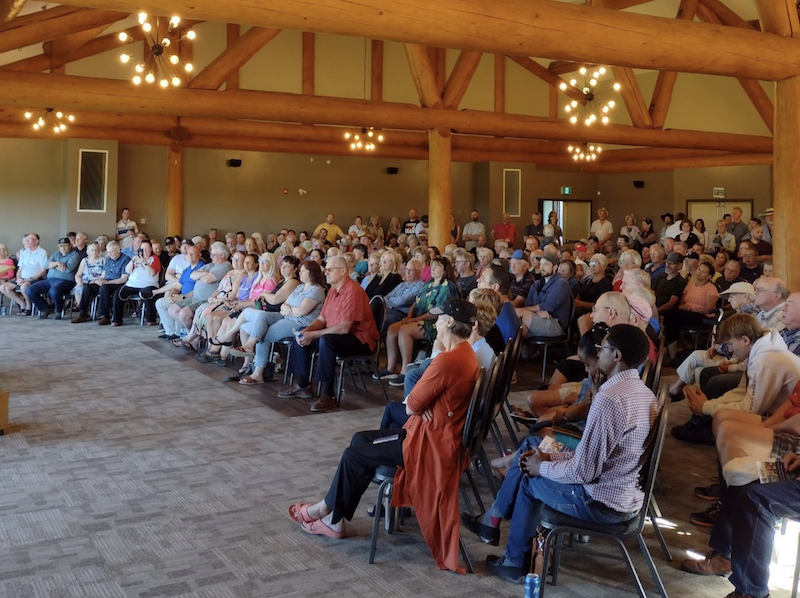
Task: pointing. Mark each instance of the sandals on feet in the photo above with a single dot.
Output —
(248, 380)
(217, 343)
(318, 528)
(299, 512)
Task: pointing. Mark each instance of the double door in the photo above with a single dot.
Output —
(710, 211)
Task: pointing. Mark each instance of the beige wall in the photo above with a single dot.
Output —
(618, 195)
(143, 185)
(740, 182)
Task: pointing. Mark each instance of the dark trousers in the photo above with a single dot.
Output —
(108, 293)
(714, 385)
(90, 291)
(676, 320)
(329, 346)
(126, 293)
(745, 530)
(56, 288)
(357, 468)
(394, 416)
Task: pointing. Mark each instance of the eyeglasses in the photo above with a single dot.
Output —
(594, 263)
(595, 308)
(763, 290)
(334, 268)
(600, 347)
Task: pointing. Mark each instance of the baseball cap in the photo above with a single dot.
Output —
(460, 310)
(550, 258)
(675, 257)
(580, 247)
(187, 242)
(169, 240)
(692, 255)
(740, 287)
(640, 306)
(518, 255)
(64, 241)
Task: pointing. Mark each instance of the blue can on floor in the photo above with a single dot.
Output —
(532, 585)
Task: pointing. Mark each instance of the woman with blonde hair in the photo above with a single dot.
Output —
(393, 230)
(388, 277)
(375, 228)
(250, 246)
(373, 269)
(628, 260)
(260, 245)
(485, 257)
(272, 243)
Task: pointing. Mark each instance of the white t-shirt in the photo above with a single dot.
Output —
(473, 228)
(30, 262)
(139, 278)
(179, 263)
(601, 230)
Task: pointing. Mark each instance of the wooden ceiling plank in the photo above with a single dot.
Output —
(27, 90)
(232, 34)
(726, 16)
(499, 83)
(424, 75)
(676, 163)
(38, 17)
(460, 77)
(632, 95)
(60, 49)
(621, 4)
(544, 74)
(233, 58)
(543, 28)
(50, 29)
(779, 17)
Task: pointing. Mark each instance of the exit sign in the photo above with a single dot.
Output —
(566, 190)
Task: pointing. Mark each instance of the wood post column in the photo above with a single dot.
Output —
(174, 203)
(786, 179)
(439, 192)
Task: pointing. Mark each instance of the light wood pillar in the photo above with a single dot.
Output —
(786, 179)
(439, 193)
(174, 213)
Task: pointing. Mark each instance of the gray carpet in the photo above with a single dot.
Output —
(132, 471)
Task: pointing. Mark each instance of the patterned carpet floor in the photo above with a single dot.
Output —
(131, 471)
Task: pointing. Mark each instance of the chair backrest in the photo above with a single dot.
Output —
(662, 351)
(472, 423)
(652, 453)
(648, 366)
(512, 352)
(378, 306)
(492, 398)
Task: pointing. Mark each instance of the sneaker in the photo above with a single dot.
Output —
(398, 380)
(496, 566)
(677, 397)
(24, 312)
(296, 392)
(708, 517)
(710, 492)
(694, 434)
(384, 375)
(713, 564)
(524, 417)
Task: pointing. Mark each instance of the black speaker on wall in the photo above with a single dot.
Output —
(638, 184)
(392, 170)
(234, 163)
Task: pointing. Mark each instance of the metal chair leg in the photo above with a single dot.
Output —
(465, 554)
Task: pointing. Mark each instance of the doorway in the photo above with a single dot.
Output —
(574, 216)
(710, 211)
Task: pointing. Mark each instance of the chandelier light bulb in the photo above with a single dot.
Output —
(347, 135)
(370, 134)
(147, 27)
(189, 68)
(574, 103)
(191, 34)
(352, 146)
(582, 70)
(605, 109)
(175, 21)
(599, 149)
(57, 129)
(125, 58)
(611, 103)
(165, 42)
(573, 119)
(359, 144)
(71, 118)
(59, 114)
(586, 90)
(380, 138)
(123, 37)
(602, 70)
(563, 86)
(62, 126)
(570, 148)
(587, 122)
(605, 120)
(137, 80)
(150, 77)
(41, 121)
(35, 126)
(142, 17)
(164, 83)
(176, 81)
(617, 86)
(357, 137)
(28, 115)
(573, 82)
(139, 68)
(174, 59)
(567, 108)
(575, 157)
(593, 82)
(596, 75)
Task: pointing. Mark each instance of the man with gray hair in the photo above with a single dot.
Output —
(113, 277)
(402, 297)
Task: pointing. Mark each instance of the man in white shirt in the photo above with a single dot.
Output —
(602, 227)
(32, 266)
(472, 230)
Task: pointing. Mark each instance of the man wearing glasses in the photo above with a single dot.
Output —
(344, 328)
(599, 481)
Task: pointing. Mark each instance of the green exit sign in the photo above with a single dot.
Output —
(566, 190)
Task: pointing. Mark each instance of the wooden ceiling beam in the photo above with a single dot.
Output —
(621, 4)
(656, 153)
(726, 16)
(376, 73)
(499, 83)
(53, 28)
(41, 62)
(458, 82)
(424, 75)
(27, 90)
(779, 17)
(544, 28)
(233, 58)
(602, 167)
(632, 95)
(38, 17)
(60, 49)
(9, 9)
(307, 78)
(232, 35)
(665, 84)
(537, 69)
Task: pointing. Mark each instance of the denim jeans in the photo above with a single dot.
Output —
(520, 499)
(746, 527)
(278, 331)
(57, 288)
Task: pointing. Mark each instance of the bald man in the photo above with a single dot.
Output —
(344, 328)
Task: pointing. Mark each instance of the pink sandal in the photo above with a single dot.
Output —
(318, 528)
(299, 512)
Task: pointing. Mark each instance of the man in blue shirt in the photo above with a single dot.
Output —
(186, 282)
(546, 309)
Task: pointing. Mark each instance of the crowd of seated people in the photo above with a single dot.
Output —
(239, 295)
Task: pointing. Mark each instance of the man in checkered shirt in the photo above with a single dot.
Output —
(599, 481)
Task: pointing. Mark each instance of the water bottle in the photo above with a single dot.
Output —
(3, 310)
(532, 585)
(298, 334)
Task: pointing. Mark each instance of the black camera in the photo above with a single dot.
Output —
(141, 252)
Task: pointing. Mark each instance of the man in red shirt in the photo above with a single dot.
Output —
(344, 328)
(505, 231)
